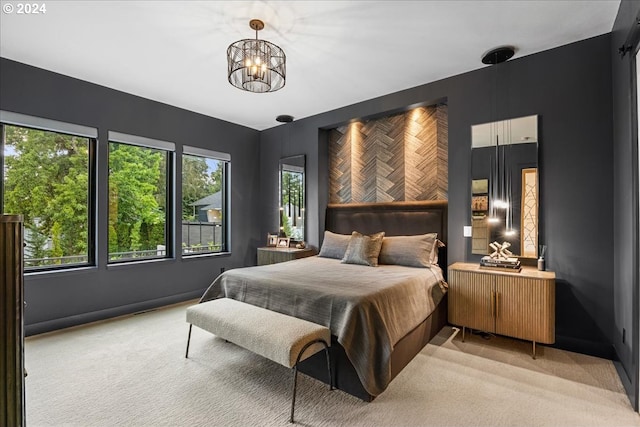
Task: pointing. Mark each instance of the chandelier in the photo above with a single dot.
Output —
(256, 65)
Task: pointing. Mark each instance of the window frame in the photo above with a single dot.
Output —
(188, 150)
(169, 229)
(8, 118)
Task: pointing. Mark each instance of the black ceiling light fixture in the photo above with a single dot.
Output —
(284, 118)
(256, 65)
(498, 55)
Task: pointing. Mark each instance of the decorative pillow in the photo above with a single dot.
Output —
(334, 245)
(412, 251)
(363, 250)
(434, 252)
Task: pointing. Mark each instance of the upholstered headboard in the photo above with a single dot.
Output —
(395, 219)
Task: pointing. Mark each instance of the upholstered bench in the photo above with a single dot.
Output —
(283, 339)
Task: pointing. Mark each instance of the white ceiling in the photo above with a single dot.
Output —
(338, 52)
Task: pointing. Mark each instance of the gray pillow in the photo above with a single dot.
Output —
(412, 251)
(334, 245)
(363, 250)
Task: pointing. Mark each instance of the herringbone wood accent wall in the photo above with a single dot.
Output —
(395, 158)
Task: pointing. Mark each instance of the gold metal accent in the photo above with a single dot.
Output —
(493, 304)
(256, 24)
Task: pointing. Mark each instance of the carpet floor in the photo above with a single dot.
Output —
(131, 371)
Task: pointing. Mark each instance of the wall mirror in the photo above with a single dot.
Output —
(504, 187)
(292, 197)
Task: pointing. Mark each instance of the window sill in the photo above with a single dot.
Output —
(65, 270)
(133, 263)
(208, 255)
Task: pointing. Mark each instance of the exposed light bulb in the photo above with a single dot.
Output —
(248, 63)
(501, 204)
(510, 232)
(493, 220)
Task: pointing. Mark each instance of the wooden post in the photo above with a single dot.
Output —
(11, 320)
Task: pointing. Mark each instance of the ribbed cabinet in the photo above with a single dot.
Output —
(519, 305)
(12, 393)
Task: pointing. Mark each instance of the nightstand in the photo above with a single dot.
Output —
(271, 255)
(519, 305)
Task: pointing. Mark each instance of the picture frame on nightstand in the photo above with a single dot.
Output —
(283, 242)
(272, 240)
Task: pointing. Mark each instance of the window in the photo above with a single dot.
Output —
(204, 201)
(140, 173)
(48, 177)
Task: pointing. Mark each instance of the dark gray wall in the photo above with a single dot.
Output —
(570, 89)
(625, 205)
(65, 298)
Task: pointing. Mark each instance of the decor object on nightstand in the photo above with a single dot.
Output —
(283, 242)
(501, 258)
(541, 266)
(272, 240)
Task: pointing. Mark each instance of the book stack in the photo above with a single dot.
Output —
(511, 265)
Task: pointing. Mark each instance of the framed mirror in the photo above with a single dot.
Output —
(504, 187)
(292, 197)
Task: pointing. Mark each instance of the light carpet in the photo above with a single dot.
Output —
(131, 371)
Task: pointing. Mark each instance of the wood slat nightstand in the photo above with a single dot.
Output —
(519, 305)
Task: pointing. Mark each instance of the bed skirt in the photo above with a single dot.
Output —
(344, 374)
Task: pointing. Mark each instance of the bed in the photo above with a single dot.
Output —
(380, 317)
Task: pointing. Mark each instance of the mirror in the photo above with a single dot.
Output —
(292, 197)
(504, 188)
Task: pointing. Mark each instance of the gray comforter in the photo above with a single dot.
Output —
(369, 309)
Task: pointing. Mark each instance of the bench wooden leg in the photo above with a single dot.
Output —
(186, 354)
(295, 372)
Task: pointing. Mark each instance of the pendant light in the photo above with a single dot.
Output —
(500, 171)
(256, 65)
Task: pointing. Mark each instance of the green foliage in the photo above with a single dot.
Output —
(286, 224)
(292, 200)
(136, 198)
(35, 241)
(292, 189)
(46, 181)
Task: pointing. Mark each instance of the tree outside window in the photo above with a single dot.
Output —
(46, 178)
(137, 202)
